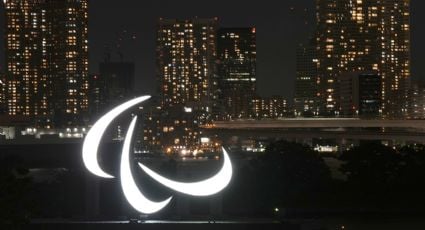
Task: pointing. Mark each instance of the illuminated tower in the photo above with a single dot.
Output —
(47, 60)
(186, 51)
(186, 55)
(359, 35)
(236, 50)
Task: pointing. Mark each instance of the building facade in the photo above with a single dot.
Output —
(47, 60)
(360, 94)
(152, 126)
(237, 55)
(305, 99)
(270, 107)
(416, 100)
(97, 95)
(355, 35)
(186, 64)
(186, 54)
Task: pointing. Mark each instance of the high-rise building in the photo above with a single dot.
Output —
(186, 59)
(416, 100)
(236, 51)
(359, 35)
(305, 100)
(360, 94)
(186, 55)
(47, 60)
(97, 95)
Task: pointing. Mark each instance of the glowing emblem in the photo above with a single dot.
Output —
(132, 193)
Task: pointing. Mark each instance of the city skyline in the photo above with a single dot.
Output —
(363, 36)
(272, 79)
(311, 103)
(190, 61)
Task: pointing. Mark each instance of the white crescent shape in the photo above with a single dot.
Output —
(92, 140)
(130, 189)
(206, 187)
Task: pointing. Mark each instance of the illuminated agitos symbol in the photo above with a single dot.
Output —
(132, 193)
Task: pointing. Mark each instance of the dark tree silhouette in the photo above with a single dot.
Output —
(293, 175)
(385, 178)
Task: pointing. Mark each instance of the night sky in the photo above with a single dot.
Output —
(281, 26)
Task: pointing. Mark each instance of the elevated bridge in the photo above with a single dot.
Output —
(306, 129)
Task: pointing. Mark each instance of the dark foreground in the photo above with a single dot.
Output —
(153, 225)
(292, 224)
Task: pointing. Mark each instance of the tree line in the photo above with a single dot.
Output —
(293, 179)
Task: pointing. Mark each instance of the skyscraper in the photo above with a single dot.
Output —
(305, 100)
(359, 35)
(186, 54)
(237, 55)
(47, 60)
